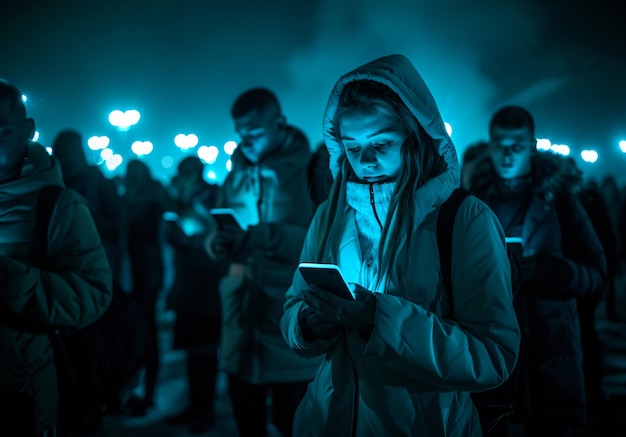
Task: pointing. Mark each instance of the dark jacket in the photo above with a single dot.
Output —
(107, 210)
(272, 198)
(571, 264)
(194, 293)
(72, 290)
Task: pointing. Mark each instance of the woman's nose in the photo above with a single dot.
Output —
(368, 157)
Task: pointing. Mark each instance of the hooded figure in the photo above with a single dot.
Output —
(395, 364)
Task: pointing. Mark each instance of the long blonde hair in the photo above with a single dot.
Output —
(420, 162)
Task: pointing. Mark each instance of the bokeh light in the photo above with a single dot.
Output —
(98, 142)
(229, 147)
(186, 141)
(561, 149)
(124, 120)
(142, 148)
(543, 144)
(590, 156)
(208, 154)
(167, 161)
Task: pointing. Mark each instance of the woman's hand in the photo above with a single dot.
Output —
(314, 326)
(357, 313)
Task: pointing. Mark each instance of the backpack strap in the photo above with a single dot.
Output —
(46, 200)
(445, 224)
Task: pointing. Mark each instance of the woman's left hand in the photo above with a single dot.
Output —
(357, 313)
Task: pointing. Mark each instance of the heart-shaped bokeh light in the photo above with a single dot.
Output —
(142, 148)
(186, 142)
(124, 120)
(98, 143)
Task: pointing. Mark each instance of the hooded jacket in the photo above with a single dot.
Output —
(70, 291)
(413, 375)
(272, 198)
(570, 264)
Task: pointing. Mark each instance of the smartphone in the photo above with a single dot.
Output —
(227, 216)
(170, 216)
(327, 277)
(515, 244)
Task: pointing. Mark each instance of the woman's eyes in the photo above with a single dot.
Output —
(377, 146)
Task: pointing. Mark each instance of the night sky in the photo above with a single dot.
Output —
(182, 63)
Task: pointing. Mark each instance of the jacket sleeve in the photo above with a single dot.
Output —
(270, 252)
(278, 241)
(289, 323)
(74, 288)
(478, 349)
(176, 237)
(582, 268)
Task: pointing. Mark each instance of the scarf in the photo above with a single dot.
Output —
(371, 205)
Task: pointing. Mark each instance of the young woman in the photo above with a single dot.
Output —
(394, 363)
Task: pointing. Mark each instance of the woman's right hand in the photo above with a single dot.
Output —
(314, 326)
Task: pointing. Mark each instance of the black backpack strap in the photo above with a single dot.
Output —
(445, 224)
(43, 213)
(46, 200)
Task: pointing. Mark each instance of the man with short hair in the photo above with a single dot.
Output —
(268, 189)
(533, 195)
(69, 289)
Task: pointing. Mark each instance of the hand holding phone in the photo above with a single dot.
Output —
(227, 216)
(327, 277)
(332, 298)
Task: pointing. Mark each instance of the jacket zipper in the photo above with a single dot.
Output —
(374, 206)
(259, 202)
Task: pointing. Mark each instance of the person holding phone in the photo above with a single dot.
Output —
(535, 195)
(395, 362)
(267, 190)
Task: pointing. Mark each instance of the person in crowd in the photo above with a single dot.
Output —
(395, 362)
(612, 196)
(593, 202)
(81, 407)
(268, 189)
(621, 250)
(534, 196)
(106, 205)
(472, 155)
(145, 201)
(69, 289)
(194, 295)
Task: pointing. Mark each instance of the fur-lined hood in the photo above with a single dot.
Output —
(551, 174)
